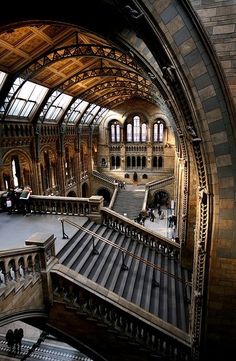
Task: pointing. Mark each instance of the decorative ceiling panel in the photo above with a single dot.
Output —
(33, 46)
(73, 61)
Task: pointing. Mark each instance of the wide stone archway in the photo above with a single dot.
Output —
(166, 38)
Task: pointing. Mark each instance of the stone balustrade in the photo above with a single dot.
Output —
(91, 301)
(140, 233)
(73, 206)
(18, 264)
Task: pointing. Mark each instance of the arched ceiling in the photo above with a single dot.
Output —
(84, 64)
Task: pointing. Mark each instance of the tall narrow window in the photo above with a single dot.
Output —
(115, 162)
(158, 131)
(128, 162)
(136, 131)
(129, 133)
(154, 162)
(144, 132)
(115, 132)
(136, 127)
(15, 178)
(160, 162)
(15, 166)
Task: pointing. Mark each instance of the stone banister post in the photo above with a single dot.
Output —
(46, 243)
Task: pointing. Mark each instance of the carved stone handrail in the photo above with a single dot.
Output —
(24, 283)
(18, 264)
(161, 182)
(108, 181)
(103, 177)
(73, 206)
(96, 303)
(140, 233)
(113, 198)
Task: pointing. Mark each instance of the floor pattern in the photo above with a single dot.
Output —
(45, 352)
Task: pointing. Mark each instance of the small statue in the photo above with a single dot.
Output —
(12, 274)
(168, 73)
(21, 271)
(203, 195)
(193, 134)
(2, 277)
(133, 13)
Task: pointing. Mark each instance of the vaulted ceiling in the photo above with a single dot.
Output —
(79, 63)
(82, 61)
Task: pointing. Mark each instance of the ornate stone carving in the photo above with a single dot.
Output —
(134, 14)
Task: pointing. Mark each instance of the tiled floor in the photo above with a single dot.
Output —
(49, 350)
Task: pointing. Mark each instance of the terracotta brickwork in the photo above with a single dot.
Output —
(219, 20)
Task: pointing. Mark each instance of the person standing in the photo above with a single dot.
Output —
(10, 339)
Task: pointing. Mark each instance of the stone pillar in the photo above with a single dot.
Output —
(61, 162)
(95, 204)
(90, 149)
(78, 161)
(37, 185)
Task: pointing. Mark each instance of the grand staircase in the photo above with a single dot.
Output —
(147, 278)
(129, 201)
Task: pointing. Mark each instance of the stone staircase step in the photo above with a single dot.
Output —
(101, 270)
(140, 275)
(172, 306)
(129, 202)
(93, 262)
(132, 278)
(106, 277)
(163, 298)
(123, 275)
(155, 292)
(84, 249)
(64, 252)
(147, 288)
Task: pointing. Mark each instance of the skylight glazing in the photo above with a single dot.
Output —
(75, 111)
(27, 99)
(90, 114)
(100, 115)
(56, 104)
(3, 77)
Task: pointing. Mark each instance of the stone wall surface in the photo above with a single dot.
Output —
(219, 21)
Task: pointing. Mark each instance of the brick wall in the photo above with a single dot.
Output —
(219, 20)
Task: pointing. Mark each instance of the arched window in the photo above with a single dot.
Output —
(133, 161)
(138, 161)
(128, 162)
(143, 162)
(129, 133)
(154, 162)
(136, 131)
(15, 166)
(160, 162)
(115, 132)
(144, 132)
(115, 162)
(158, 131)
